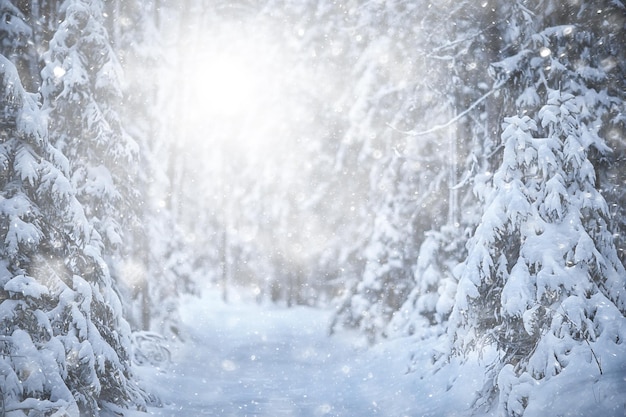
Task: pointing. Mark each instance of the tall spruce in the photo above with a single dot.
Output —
(82, 95)
(65, 347)
(542, 282)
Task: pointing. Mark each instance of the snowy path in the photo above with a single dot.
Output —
(245, 360)
(249, 360)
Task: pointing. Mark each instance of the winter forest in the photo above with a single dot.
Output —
(446, 179)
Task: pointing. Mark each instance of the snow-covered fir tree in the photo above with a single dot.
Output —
(155, 271)
(541, 282)
(428, 306)
(16, 41)
(375, 162)
(65, 347)
(82, 93)
(386, 278)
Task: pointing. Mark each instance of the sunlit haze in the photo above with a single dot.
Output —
(232, 76)
(244, 108)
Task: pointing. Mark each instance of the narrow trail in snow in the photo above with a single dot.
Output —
(242, 359)
(246, 360)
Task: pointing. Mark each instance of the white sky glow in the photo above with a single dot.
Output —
(232, 86)
(243, 131)
(233, 81)
(229, 84)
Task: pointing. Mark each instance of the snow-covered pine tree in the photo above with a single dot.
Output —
(447, 43)
(381, 101)
(82, 94)
(542, 280)
(427, 308)
(154, 271)
(456, 54)
(16, 45)
(537, 284)
(138, 48)
(25, 327)
(387, 277)
(64, 346)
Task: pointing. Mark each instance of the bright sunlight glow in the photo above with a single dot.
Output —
(231, 85)
(228, 85)
(233, 81)
(243, 125)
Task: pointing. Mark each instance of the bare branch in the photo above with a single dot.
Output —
(449, 122)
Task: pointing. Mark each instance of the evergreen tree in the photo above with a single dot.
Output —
(16, 35)
(387, 276)
(535, 61)
(513, 292)
(542, 280)
(82, 93)
(428, 306)
(155, 271)
(64, 344)
(371, 161)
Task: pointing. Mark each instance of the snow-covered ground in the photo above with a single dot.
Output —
(244, 359)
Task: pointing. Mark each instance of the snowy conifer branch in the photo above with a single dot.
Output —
(570, 321)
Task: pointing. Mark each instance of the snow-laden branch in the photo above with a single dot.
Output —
(457, 41)
(30, 404)
(449, 122)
